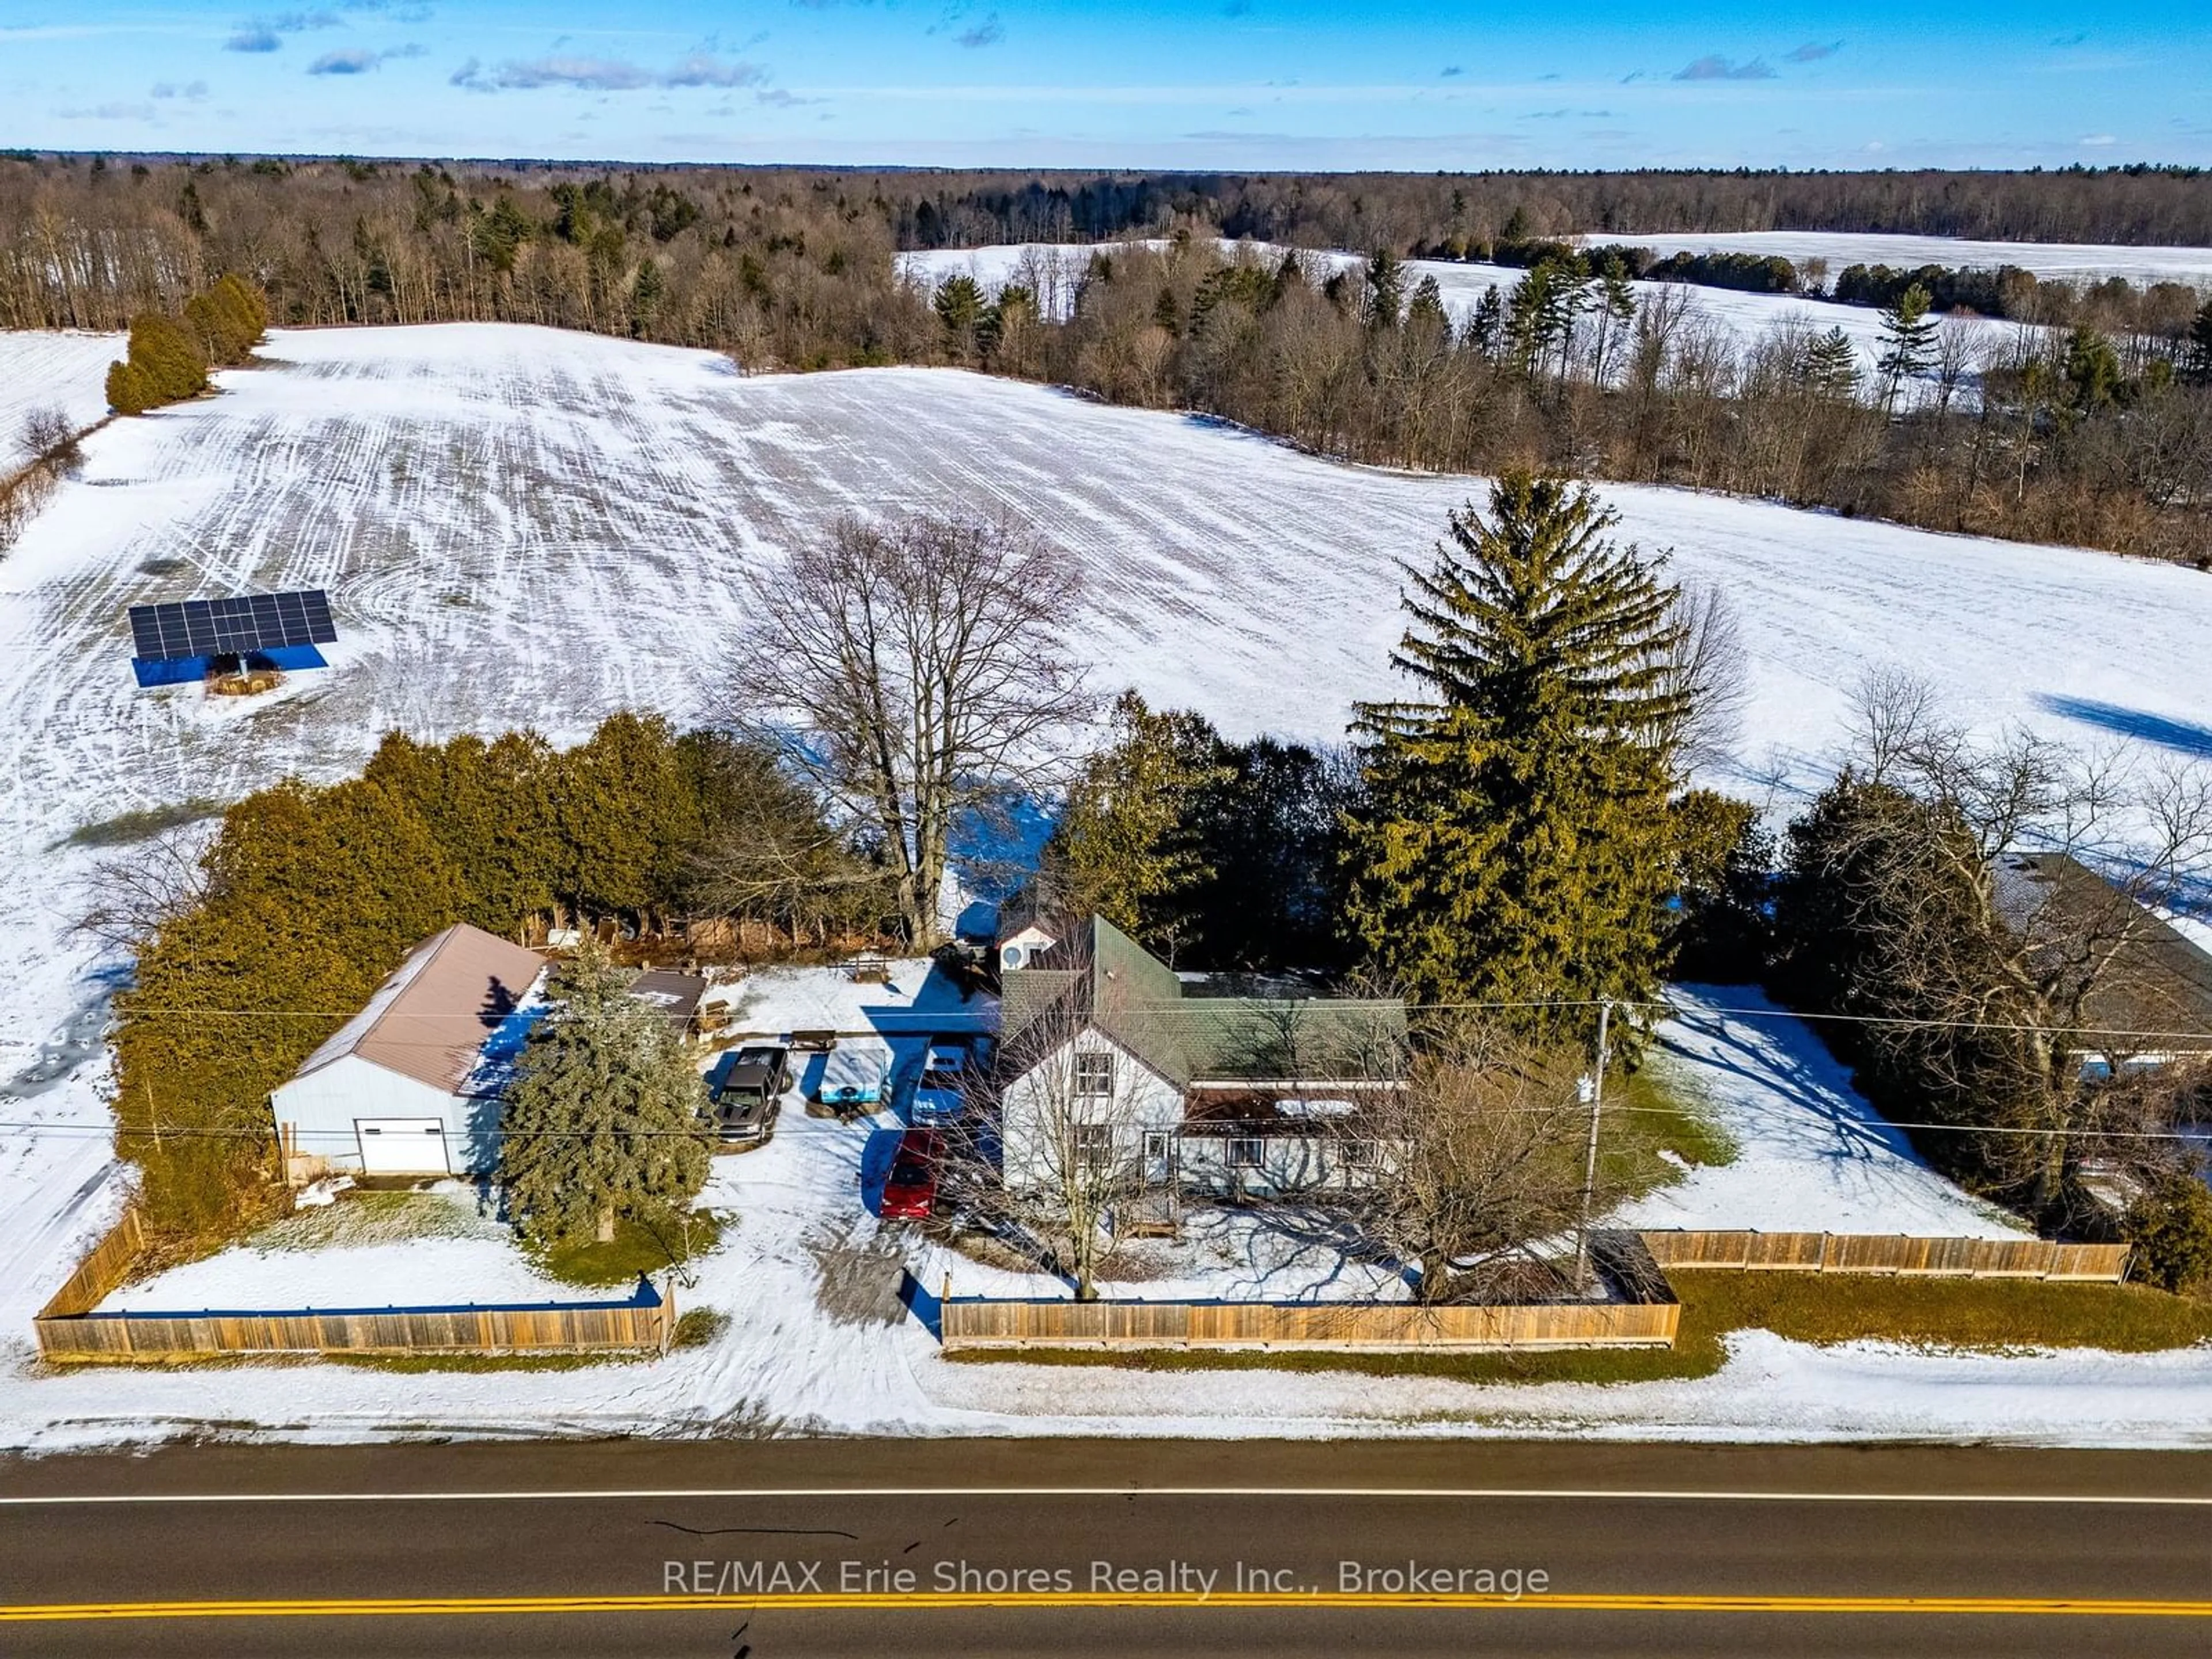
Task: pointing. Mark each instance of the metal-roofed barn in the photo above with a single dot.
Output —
(411, 1085)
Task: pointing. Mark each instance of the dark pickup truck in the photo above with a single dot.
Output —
(746, 1092)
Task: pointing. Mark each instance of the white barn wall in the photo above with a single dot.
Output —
(324, 1104)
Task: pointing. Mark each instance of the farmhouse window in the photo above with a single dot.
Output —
(1094, 1075)
(1094, 1144)
(1248, 1152)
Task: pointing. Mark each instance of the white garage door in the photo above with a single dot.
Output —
(402, 1145)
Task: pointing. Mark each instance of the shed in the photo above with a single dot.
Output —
(675, 994)
(411, 1085)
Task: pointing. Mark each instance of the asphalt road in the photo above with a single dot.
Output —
(757, 1550)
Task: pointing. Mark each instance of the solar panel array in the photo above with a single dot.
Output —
(221, 627)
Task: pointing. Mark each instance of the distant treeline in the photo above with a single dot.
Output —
(2112, 303)
(2103, 437)
(2070, 436)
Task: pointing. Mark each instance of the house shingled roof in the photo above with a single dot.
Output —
(2157, 981)
(1102, 976)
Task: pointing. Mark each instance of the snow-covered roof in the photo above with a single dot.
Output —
(429, 1020)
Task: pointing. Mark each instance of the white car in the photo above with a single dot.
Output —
(941, 1092)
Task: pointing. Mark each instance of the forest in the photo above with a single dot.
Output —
(2100, 436)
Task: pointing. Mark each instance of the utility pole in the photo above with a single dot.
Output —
(1589, 1161)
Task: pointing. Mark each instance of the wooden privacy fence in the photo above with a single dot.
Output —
(67, 1331)
(1890, 1253)
(981, 1322)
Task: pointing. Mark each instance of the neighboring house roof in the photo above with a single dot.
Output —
(675, 994)
(1099, 976)
(429, 1020)
(1030, 908)
(2156, 980)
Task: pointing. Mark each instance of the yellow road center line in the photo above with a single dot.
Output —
(1325, 1601)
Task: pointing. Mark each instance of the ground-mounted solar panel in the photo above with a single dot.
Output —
(176, 640)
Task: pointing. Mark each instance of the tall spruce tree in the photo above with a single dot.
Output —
(606, 1120)
(1516, 842)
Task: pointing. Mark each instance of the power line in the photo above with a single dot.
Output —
(31, 1130)
(1199, 1005)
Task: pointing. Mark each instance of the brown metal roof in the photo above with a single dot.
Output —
(675, 994)
(429, 1020)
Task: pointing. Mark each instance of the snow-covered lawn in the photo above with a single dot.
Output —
(913, 1000)
(2087, 262)
(382, 1250)
(521, 526)
(1812, 1156)
(786, 1361)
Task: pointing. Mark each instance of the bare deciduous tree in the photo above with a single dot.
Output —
(47, 438)
(1889, 708)
(914, 669)
(125, 901)
(1708, 663)
(2007, 894)
(1479, 1155)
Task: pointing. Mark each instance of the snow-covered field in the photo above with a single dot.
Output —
(2082, 262)
(524, 526)
(1745, 317)
(38, 371)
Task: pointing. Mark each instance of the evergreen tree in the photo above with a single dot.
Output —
(312, 897)
(1831, 365)
(1424, 312)
(127, 391)
(163, 353)
(606, 1119)
(1541, 313)
(1270, 831)
(2200, 346)
(1486, 329)
(1516, 842)
(1126, 845)
(491, 807)
(2092, 369)
(959, 305)
(1386, 290)
(646, 293)
(1614, 308)
(626, 813)
(1908, 339)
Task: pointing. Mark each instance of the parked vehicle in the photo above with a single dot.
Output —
(853, 1080)
(910, 1189)
(746, 1093)
(942, 1090)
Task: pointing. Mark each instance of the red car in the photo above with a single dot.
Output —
(911, 1188)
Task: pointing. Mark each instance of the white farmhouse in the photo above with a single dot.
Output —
(411, 1085)
(1110, 1056)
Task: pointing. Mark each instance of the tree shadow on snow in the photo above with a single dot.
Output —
(2181, 735)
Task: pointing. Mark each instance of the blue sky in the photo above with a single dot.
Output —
(1229, 84)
